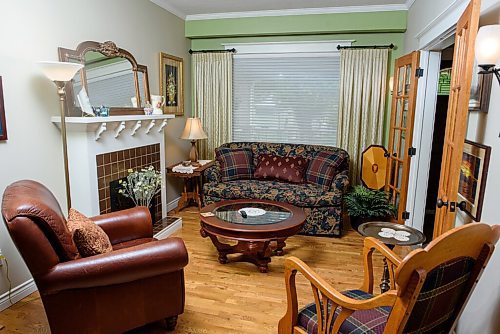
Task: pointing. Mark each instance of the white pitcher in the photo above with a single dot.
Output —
(158, 102)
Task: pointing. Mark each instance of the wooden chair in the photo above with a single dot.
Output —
(430, 288)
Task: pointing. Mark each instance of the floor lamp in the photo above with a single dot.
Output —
(60, 73)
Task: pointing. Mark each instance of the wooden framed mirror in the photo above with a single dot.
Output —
(110, 77)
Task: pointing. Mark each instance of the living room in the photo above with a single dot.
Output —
(251, 295)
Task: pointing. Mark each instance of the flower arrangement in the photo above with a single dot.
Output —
(141, 186)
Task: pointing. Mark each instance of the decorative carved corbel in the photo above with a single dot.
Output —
(119, 129)
(136, 127)
(100, 131)
(150, 126)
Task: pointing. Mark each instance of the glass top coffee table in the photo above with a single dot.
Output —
(259, 227)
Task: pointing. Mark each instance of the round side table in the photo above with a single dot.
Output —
(391, 235)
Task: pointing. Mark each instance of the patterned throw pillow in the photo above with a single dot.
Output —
(273, 167)
(235, 163)
(323, 168)
(89, 238)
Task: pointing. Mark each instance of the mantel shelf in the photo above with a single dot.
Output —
(99, 125)
(110, 119)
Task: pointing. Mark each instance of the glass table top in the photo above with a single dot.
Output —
(252, 213)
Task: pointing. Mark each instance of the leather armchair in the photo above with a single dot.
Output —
(139, 282)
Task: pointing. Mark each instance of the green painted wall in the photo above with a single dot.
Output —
(364, 28)
(394, 21)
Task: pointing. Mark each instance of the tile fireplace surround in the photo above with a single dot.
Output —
(102, 149)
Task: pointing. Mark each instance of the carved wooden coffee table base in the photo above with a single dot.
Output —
(256, 252)
(255, 239)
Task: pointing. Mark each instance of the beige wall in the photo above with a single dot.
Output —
(481, 313)
(32, 30)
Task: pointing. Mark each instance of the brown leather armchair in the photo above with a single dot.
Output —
(139, 282)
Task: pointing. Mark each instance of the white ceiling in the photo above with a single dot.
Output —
(206, 9)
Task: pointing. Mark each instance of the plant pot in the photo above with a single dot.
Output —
(357, 221)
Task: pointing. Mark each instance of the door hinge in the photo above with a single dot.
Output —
(412, 151)
(419, 72)
(405, 215)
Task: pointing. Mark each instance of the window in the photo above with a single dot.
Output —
(289, 97)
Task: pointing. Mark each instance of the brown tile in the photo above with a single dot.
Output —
(100, 183)
(100, 160)
(121, 155)
(102, 194)
(100, 171)
(107, 158)
(107, 170)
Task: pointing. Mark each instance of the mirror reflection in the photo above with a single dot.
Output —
(110, 77)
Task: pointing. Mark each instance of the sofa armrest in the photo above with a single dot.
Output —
(212, 173)
(117, 267)
(126, 225)
(341, 182)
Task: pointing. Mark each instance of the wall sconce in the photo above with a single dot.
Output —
(488, 49)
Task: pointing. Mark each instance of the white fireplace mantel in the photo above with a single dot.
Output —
(91, 136)
(99, 125)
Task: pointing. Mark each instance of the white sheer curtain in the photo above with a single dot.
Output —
(363, 80)
(212, 98)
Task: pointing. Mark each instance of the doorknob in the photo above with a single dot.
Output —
(462, 205)
(440, 203)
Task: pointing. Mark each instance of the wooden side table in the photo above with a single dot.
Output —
(386, 232)
(193, 185)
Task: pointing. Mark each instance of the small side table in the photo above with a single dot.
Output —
(193, 184)
(386, 232)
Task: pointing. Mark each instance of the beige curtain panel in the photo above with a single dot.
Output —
(212, 98)
(363, 89)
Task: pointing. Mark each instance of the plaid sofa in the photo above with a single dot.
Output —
(323, 207)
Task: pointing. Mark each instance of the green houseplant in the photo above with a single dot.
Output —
(365, 205)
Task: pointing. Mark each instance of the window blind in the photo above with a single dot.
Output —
(286, 99)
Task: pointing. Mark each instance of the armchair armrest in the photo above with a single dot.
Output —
(212, 173)
(324, 294)
(121, 266)
(125, 225)
(340, 181)
(370, 245)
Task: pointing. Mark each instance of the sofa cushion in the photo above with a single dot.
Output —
(323, 168)
(90, 239)
(302, 195)
(274, 167)
(235, 164)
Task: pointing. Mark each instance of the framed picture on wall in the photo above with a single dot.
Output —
(3, 122)
(480, 90)
(473, 173)
(172, 84)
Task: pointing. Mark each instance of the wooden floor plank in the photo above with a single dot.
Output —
(235, 297)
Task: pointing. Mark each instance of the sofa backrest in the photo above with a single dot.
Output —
(302, 150)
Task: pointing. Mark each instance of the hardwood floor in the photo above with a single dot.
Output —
(235, 297)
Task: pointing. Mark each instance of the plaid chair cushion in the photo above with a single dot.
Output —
(235, 164)
(437, 302)
(360, 322)
(323, 168)
(274, 167)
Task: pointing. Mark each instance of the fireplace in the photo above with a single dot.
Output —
(121, 202)
(114, 166)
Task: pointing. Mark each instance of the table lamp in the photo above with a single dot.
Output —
(60, 73)
(193, 131)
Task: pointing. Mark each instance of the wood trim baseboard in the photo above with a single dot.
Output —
(17, 293)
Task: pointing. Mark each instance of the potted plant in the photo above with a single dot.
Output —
(364, 205)
(141, 187)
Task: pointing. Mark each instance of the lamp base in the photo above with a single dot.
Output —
(193, 154)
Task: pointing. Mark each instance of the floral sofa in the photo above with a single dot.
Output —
(323, 207)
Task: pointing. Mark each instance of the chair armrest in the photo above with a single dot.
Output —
(324, 293)
(340, 182)
(212, 173)
(370, 245)
(126, 225)
(117, 267)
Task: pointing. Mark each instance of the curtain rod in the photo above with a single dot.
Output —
(390, 46)
(211, 51)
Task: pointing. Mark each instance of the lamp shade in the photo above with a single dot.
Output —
(59, 71)
(193, 130)
(488, 45)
